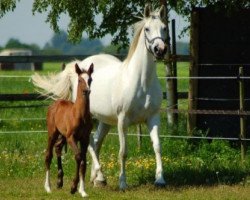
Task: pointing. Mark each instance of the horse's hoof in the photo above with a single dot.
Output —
(98, 183)
(160, 184)
(123, 187)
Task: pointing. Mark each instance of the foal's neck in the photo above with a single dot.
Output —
(82, 104)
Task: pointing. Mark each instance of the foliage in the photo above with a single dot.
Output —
(116, 15)
(7, 5)
(182, 48)
(115, 49)
(60, 42)
(15, 43)
(184, 7)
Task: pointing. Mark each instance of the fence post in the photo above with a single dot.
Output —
(175, 100)
(242, 118)
(193, 71)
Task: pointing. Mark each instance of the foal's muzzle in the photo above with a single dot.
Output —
(86, 92)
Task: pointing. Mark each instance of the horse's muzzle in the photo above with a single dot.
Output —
(160, 52)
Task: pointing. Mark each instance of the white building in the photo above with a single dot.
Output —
(16, 66)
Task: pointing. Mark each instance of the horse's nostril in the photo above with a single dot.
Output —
(156, 49)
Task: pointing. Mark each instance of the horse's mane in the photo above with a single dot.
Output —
(137, 31)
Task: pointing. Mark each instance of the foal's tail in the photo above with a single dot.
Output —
(55, 86)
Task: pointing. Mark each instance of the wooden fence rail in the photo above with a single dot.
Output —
(35, 96)
(46, 58)
(66, 58)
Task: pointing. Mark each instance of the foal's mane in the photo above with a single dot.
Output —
(137, 31)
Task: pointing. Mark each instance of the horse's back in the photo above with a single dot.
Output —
(100, 61)
(106, 68)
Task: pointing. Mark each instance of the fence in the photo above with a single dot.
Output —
(26, 97)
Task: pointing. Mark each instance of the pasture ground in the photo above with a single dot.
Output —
(15, 189)
(193, 169)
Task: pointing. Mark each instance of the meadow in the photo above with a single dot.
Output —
(194, 169)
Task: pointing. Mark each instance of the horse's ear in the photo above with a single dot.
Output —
(162, 12)
(91, 69)
(147, 10)
(78, 70)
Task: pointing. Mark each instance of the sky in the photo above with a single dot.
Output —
(21, 24)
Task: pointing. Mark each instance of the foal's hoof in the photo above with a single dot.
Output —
(59, 184)
(98, 183)
(73, 190)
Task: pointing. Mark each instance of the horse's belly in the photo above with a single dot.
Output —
(141, 116)
(145, 107)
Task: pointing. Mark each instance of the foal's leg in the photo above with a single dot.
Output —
(94, 149)
(71, 141)
(153, 125)
(48, 157)
(83, 166)
(58, 149)
(122, 131)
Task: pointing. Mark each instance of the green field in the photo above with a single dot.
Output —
(193, 169)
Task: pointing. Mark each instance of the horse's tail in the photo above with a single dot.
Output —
(55, 86)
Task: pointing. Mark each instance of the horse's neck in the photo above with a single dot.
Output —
(141, 66)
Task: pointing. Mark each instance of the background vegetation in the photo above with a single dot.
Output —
(60, 45)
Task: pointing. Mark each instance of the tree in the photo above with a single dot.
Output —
(60, 42)
(15, 43)
(116, 15)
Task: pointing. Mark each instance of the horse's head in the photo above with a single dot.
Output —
(155, 31)
(84, 78)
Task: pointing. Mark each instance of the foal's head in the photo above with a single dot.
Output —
(84, 78)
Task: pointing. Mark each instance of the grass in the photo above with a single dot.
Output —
(31, 189)
(193, 169)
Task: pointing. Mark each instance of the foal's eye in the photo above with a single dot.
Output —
(89, 81)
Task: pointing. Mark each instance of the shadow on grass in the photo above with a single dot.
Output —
(201, 177)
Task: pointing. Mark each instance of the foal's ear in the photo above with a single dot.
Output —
(147, 10)
(91, 69)
(78, 70)
(162, 12)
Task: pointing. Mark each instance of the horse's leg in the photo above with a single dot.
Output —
(83, 166)
(94, 149)
(122, 131)
(71, 141)
(58, 149)
(48, 157)
(153, 126)
(95, 161)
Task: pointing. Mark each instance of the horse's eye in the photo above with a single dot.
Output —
(147, 29)
(164, 28)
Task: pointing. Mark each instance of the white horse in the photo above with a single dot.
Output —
(122, 93)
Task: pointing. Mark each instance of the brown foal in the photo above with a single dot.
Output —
(70, 122)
